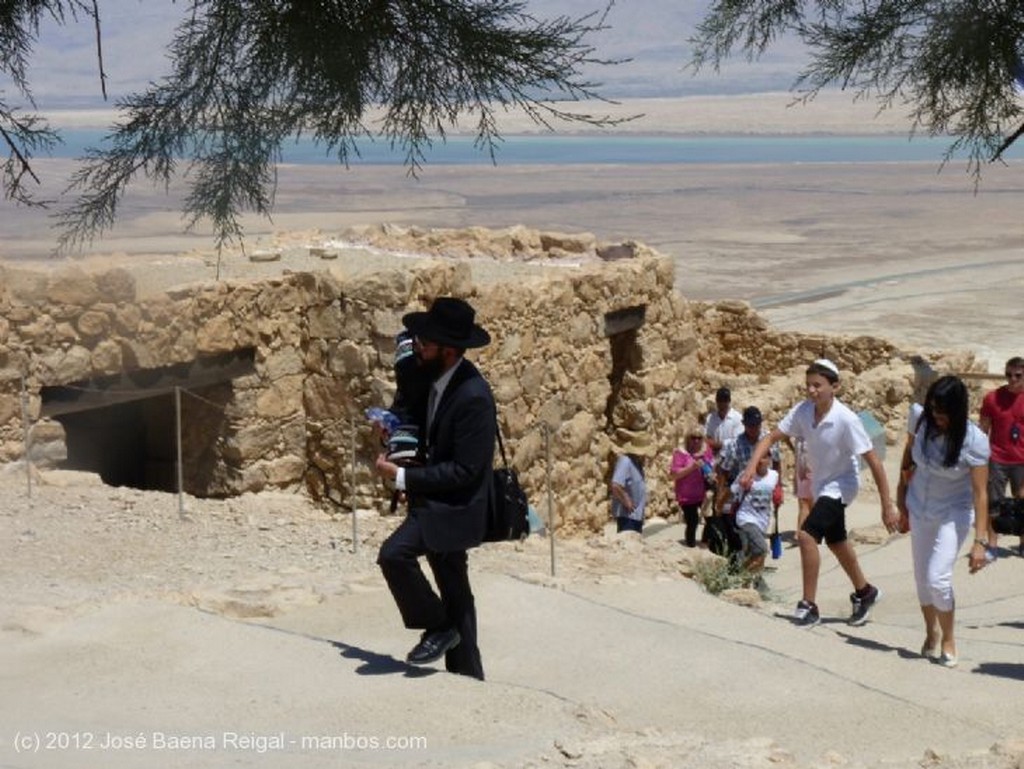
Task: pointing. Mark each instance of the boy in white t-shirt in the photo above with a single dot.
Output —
(754, 515)
(834, 438)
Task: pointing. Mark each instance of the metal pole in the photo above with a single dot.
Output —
(352, 490)
(177, 437)
(26, 454)
(551, 503)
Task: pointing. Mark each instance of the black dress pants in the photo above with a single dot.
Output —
(423, 609)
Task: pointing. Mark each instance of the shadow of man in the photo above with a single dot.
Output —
(375, 664)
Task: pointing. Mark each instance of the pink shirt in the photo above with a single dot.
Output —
(689, 490)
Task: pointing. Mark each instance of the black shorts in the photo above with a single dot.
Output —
(827, 520)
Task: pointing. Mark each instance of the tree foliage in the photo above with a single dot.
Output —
(952, 64)
(247, 76)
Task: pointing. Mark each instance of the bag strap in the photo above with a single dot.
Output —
(501, 444)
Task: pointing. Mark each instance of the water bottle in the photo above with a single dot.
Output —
(388, 421)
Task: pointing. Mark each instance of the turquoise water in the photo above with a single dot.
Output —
(618, 149)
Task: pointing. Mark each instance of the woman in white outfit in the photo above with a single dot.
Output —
(942, 492)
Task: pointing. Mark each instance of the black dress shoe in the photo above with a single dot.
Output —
(432, 646)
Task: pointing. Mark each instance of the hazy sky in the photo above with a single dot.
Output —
(653, 33)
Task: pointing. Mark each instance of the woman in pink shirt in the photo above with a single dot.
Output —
(691, 468)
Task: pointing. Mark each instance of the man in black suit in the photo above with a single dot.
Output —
(448, 495)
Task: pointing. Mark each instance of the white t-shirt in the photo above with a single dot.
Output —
(725, 428)
(756, 503)
(833, 446)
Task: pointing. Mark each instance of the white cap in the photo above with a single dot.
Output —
(826, 363)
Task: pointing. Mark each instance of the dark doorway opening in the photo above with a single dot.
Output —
(622, 328)
(124, 427)
(130, 444)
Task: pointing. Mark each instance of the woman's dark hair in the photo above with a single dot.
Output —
(947, 395)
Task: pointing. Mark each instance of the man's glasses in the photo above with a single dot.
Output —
(1015, 374)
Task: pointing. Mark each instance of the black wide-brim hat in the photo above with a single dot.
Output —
(449, 322)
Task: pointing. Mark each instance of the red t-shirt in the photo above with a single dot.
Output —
(1005, 411)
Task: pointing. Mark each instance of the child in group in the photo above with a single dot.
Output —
(835, 438)
(803, 489)
(754, 514)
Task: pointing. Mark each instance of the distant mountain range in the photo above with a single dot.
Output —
(652, 34)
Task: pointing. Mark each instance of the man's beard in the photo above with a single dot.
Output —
(432, 368)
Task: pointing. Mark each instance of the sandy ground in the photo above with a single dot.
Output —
(251, 632)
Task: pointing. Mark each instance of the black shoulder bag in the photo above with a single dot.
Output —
(507, 517)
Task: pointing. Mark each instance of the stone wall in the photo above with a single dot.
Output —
(581, 347)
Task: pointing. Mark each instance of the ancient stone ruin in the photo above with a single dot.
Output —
(269, 376)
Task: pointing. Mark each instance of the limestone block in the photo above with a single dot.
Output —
(326, 397)
(349, 359)
(529, 450)
(575, 436)
(10, 408)
(389, 288)
(583, 328)
(285, 471)
(386, 322)
(531, 379)
(253, 442)
(64, 333)
(326, 322)
(523, 240)
(41, 333)
(28, 286)
(106, 357)
(241, 299)
(555, 377)
(127, 318)
(510, 347)
(281, 398)
(265, 255)
(277, 299)
(74, 286)
(92, 323)
(285, 362)
(216, 335)
(506, 388)
(69, 365)
(116, 285)
(136, 354)
(528, 343)
(581, 243)
(183, 345)
(160, 311)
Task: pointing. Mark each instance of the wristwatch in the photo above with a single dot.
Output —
(981, 541)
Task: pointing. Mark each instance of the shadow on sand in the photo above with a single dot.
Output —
(375, 664)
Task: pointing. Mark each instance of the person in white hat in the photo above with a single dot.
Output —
(835, 437)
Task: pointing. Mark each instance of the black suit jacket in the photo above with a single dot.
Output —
(451, 493)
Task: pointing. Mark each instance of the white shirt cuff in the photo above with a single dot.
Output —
(400, 479)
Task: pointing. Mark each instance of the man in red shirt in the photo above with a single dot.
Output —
(1002, 419)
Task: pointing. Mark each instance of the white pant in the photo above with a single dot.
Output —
(935, 544)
